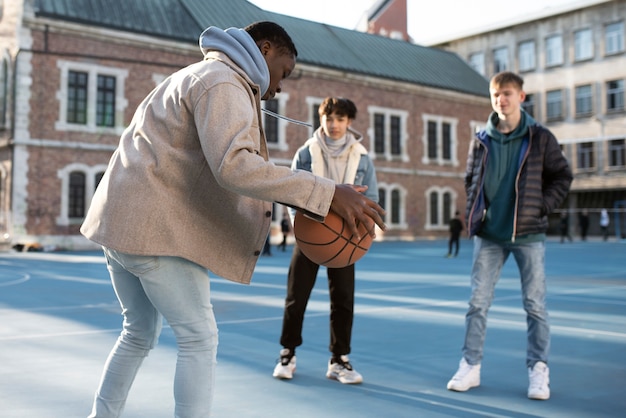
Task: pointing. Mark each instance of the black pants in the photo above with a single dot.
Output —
(453, 242)
(300, 282)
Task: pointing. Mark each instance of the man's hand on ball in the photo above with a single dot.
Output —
(350, 203)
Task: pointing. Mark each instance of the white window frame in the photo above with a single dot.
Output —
(477, 62)
(614, 38)
(583, 44)
(90, 187)
(404, 135)
(585, 97)
(618, 93)
(526, 54)
(501, 59)
(388, 189)
(440, 226)
(454, 140)
(554, 50)
(93, 71)
(551, 102)
(312, 105)
(618, 149)
(281, 144)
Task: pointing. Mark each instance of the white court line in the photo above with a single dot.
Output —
(24, 279)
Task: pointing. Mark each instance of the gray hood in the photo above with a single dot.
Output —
(241, 48)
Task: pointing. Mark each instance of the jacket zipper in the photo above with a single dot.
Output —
(519, 172)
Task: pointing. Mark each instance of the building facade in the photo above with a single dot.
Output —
(573, 61)
(72, 80)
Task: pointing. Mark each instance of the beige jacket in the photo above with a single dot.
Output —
(191, 176)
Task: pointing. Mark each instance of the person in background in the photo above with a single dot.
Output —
(285, 227)
(189, 189)
(335, 152)
(516, 176)
(604, 224)
(564, 226)
(455, 228)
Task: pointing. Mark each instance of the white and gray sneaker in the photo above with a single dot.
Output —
(539, 381)
(286, 364)
(340, 369)
(465, 378)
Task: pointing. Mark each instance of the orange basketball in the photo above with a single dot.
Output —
(330, 243)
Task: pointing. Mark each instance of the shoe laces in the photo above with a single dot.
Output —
(343, 361)
(285, 356)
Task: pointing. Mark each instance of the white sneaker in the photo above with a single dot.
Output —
(342, 371)
(286, 365)
(467, 377)
(539, 377)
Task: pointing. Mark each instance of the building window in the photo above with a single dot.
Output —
(614, 38)
(91, 98)
(440, 140)
(554, 105)
(441, 205)
(105, 103)
(382, 200)
(392, 198)
(554, 51)
(273, 126)
(584, 101)
(395, 206)
(78, 184)
(270, 122)
(586, 156)
(447, 207)
(500, 59)
(617, 153)
(583, 45)
(477, 62)
(77, 97)
(389, 133)
(433, 201)
(527, 56)
(529, 104)
(76, 197)
(615, 96)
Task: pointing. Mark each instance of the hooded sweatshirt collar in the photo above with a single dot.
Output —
(241, 48)
(519, 132)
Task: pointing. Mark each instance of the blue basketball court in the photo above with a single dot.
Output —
(60, 318)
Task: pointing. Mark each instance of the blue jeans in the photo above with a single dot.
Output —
(150, 289)
(489, 257)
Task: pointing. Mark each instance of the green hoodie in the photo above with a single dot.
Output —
(501, 171)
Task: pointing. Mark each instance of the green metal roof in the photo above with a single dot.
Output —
(318, 44)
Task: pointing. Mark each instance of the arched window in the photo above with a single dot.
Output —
(76, 198)
(441, 206)
(395, 206)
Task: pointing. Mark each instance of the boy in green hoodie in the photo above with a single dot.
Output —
(516, 176)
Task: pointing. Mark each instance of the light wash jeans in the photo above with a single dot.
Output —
(150, 289)
(489, 257)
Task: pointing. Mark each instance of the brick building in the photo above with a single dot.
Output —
(73, 73)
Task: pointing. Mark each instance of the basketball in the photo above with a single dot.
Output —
(330, 243)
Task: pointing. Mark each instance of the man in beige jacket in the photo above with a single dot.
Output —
(189, 189)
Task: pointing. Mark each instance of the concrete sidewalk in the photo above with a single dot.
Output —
(60, 318)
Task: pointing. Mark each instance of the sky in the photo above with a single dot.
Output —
(428, 21)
